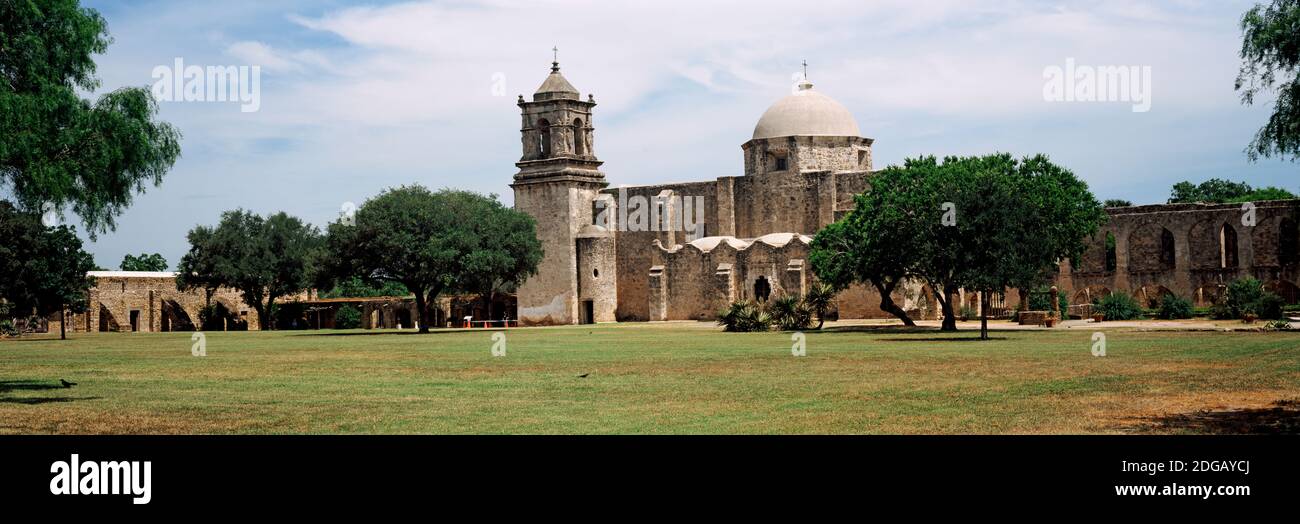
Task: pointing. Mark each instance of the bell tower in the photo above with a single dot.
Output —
(558, 179)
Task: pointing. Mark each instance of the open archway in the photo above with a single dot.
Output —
(174, 317)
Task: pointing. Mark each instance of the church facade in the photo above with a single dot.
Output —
(683, 251)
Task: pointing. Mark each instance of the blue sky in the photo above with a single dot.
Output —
(360, 96)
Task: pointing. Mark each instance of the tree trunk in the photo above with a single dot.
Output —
(63, 323)
(984, 315)
(945, 302)
(422, 309)
(887, 302)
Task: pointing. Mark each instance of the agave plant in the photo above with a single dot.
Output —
(818, 300)
(744, 316)
(790, 314)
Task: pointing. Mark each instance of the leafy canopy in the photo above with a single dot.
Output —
(44, 268)
(1270, 63)
(264, 258)
(57, 148)
(144, 262)
(433, 242)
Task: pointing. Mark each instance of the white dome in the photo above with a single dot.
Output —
(806, 113)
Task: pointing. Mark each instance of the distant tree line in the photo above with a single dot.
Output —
(405, 241)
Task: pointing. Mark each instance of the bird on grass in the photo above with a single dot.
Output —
(584, 375)
(67, 384)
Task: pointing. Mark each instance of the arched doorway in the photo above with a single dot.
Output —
(762, 289)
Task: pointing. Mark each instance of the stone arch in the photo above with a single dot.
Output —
(1287, 290)
(107, 321)
(1151, 248)
(1088, 294)
(1150, 295)
(1288, 242)
(579, 138)
(544, 138)
(1209, 294)
(174, 317)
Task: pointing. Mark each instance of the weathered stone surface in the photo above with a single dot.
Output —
(1190, 250)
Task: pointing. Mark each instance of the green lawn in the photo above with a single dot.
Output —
(649, 378)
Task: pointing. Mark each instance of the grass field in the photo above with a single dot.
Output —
(653, 378)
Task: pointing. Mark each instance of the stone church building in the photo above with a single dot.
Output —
(802, 167)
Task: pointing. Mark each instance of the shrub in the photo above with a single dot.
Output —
(969, 313)
(1174, 307)
(744, 316)
(1063, 304)
(790, 313)
(1247, 295)
(1118, 306)
(347, 317)
(1040, 301)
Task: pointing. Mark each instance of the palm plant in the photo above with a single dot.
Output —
(818, 300)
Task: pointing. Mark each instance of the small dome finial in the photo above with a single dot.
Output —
(804, 84)
(555, 59)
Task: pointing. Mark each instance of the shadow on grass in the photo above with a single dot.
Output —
(956, 336)
(44, 400)
(976, 338)
(27, 385)
(319, 333)
(1281, 419)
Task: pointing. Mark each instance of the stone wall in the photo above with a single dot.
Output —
(1210, 244)
(149, 302)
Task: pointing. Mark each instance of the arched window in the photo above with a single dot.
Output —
(1288, 251)
(1112, 262)
(544, 138)
(1227, 246)
(579, 138)
(1166, 249)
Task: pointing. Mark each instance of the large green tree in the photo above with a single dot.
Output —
(432, 243)
(44, 268)
(1270, 62)
(977, 223)
(876, 243)
(57, 148)
(144, 262)
(266, 259)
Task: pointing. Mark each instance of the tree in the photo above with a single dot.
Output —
(354, 287)
(1022, 218)
(144, 262)
(198, 267)
(1117, 202)
(264, 258)
(1220, 191)
(507, 253)
(433, 243)
(979, 223)
(44, 268)
(57, 148)
(878, 241)
(1270, 55)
